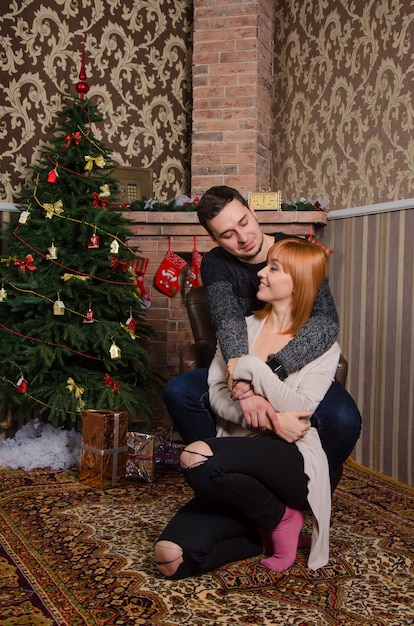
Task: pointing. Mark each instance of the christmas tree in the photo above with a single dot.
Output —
(72, 317)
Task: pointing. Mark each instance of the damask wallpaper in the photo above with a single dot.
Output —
(138, 66)
(343, 100)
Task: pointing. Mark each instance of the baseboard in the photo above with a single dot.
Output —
(384, 477)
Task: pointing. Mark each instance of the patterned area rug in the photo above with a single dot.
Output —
(73, 555)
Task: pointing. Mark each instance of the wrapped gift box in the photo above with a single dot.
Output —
(141, 456)
(104, 448)
(167, 451)
(145, 450)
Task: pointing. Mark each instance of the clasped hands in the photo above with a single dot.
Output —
(259, 414)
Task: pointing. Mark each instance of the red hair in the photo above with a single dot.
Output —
(306, 263)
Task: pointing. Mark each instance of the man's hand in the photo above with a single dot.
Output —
(259, 413)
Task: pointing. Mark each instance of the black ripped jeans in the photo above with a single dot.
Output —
(246, 484)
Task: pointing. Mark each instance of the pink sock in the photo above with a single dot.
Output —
(266, 535)
(285, 538)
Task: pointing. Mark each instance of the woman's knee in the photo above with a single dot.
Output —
(168, 556)
(195, 454)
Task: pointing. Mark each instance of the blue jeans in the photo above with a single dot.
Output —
(337, 417)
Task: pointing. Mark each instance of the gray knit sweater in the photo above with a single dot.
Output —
(231, 287)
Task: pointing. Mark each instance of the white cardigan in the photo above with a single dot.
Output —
(302, 391)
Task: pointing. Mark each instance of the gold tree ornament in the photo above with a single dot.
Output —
(53, 209)
(114, 351)
(99, 161)
(77, 391)
(24, 216)
(114, 247)
(58, 307)
(104, 191)
(52, 252)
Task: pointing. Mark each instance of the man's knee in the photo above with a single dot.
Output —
(195, 454)
(339, 411)
(172, 388)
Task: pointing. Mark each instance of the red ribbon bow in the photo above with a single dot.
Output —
(76, 137)
(117, 263)
(98, 201)
(26, 264)
(111, 383)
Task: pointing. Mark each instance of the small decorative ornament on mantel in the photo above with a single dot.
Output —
(265, 200)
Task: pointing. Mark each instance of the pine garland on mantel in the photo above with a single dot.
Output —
(302, 204)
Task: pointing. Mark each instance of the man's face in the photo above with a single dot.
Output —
(237, 230)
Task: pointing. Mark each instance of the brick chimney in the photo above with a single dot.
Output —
(232, 94)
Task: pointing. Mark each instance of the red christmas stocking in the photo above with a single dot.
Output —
(193, 278)
(139, 267)
(166, 278)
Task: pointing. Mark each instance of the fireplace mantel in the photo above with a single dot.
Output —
(169, 223)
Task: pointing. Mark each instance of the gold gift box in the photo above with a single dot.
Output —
(104, 448)
(141, 456)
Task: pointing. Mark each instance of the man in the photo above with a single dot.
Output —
(229, 275)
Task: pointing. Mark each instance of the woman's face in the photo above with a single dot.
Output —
(275, 284)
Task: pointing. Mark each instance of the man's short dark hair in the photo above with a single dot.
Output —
(214, 200)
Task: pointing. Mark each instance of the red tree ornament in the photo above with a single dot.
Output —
(82, 87)
(22, 385)
(53, 176)
(27, 264)
(89, 316)
(93, 242)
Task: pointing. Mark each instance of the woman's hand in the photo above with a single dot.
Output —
(231, 366)
(293, 425)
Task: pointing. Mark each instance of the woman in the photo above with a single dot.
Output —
(252, 488)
